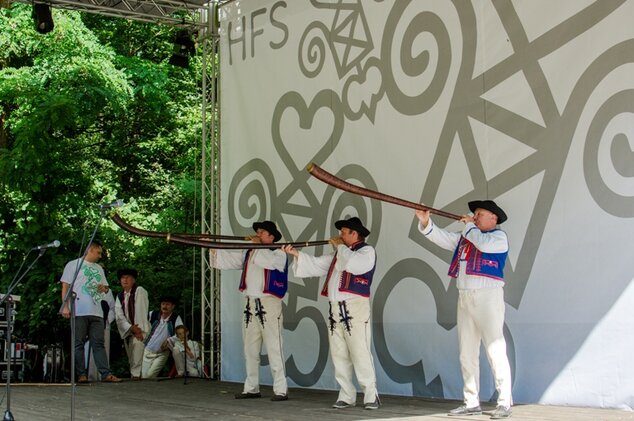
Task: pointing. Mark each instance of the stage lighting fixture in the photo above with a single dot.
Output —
(42, 17)
(183, 48)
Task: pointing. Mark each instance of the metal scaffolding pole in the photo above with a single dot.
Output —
(210, 195)
(201, 15)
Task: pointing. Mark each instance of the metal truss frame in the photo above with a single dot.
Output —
(210, 194)
(200, 15)
(185, 13)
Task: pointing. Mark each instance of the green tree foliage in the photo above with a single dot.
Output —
(88, 113)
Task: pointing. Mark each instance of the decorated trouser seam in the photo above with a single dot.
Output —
(331, 319)
(344, 317)
(259, 311)
(247, 313)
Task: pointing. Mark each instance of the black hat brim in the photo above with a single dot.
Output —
(131, 272)
(489, 205)
(168, 299)
(354, 224)
(269, 227)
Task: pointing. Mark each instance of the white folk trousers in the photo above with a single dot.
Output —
(134, 349)
(350, 348)
(265, 329)
(153, 363)
(481, 318)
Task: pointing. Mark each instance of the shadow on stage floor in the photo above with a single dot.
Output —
(212, 400)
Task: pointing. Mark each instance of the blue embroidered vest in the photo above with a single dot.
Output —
(354, 284)
(275, 281)
(478, 263)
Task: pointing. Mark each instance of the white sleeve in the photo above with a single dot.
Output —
(142, 304)
(270, 259)
(487, 242)
(440, 237)
(355, 262)
(69, 271)
(227, 259)
(123, 326)
(305, 265)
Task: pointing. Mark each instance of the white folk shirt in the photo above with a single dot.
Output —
(487, 242)
(161, 333)
(355, 262)
(140, 310)
(259, 260)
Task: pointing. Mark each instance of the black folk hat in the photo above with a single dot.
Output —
(489, 205)
(168, 299)
(269, 227)
(354, 224)
(128, 271)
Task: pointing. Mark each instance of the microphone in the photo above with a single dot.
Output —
(116, 204)
(55, 243)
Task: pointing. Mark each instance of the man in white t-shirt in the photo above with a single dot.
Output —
(90, 288)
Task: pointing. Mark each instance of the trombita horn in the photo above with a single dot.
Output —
(336, 182)
(207, 241)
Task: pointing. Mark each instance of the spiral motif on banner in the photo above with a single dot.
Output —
(312, 49)
(430, 67)
(343, 205)
(609, 156)
(251, 193)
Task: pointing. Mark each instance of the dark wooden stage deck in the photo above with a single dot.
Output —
(213, 400)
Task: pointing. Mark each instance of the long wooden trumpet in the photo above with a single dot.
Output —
(159, 234)
(191, 240)
(336, 182)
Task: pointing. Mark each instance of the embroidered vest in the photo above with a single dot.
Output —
(155, 319)
(478, 263)
(129, 311)
(275, 281)
(354, 284)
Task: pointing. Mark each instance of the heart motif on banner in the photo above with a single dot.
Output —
(310, 141)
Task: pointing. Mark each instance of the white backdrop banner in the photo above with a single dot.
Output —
(529, 103)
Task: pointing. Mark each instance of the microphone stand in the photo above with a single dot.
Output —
(8, 416)
(185, 358)
(70, 298)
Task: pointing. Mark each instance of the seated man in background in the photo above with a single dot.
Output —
(186, 353)
(163, 325)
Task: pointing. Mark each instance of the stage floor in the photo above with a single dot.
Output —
(211, 400)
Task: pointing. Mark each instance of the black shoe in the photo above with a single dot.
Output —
(501, 412)
(279, 398)
(342, 405)
(248, 395)
(373, 405)
(463, 410)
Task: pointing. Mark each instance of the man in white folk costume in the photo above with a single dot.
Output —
(264, 283)
(349, 273)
